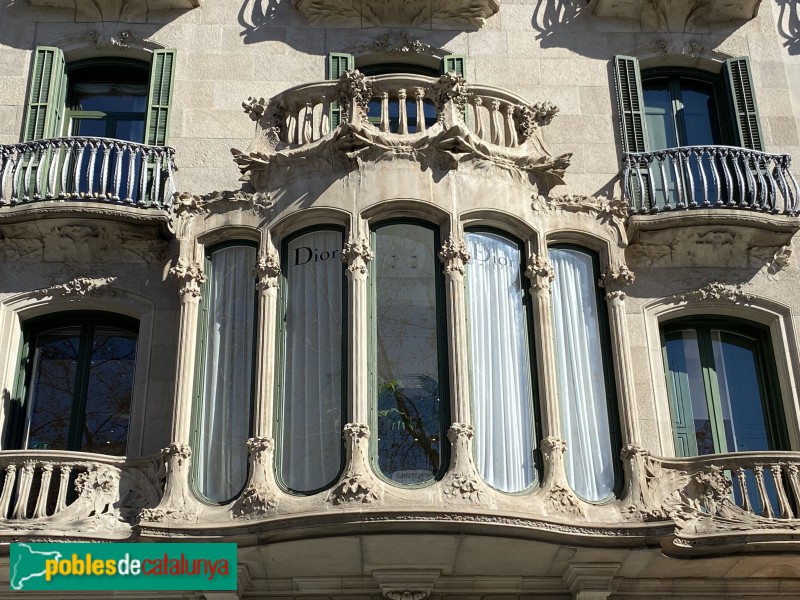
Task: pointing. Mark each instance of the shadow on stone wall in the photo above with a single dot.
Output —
(560, 23)
(789, 25)
(259, 19)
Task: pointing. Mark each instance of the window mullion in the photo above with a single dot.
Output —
(82, 369)
(711, 385)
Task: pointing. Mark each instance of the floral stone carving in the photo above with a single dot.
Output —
(462, 483)
(454, 256)
(358, 485)
(178, 502)
(258, 498)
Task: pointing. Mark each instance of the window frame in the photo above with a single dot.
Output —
(445, 392)
(280, 356)
(535, 403)
(87, 320)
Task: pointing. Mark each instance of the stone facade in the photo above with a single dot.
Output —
(528, 141)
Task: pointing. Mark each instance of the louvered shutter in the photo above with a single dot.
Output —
(745, 110)
(46, 96)
(456, 64)
(631, 105)
(160, 96)
(338, 63)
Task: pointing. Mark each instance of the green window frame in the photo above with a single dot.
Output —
(46, 114)
(702, 388)
(81, 358)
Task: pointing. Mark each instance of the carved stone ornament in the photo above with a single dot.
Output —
(78, 287)
(356, 254)
(395, 42)
(715, 292)
(406, 595)
(609, 211)
(540, 272)
(780, 260)
(454, 256)
(190, 277)
(455, 14)
(534, 116)
(561, 497)
(354, 90)
(124, 11)
(358, 485)
(676, 15)
(462, 482)
(122, 40)
(615, 280)
(450, 89)
(257, 202)
(266, 271)
(178, 502)
(406, 584)
(259, 498)
(185, 204)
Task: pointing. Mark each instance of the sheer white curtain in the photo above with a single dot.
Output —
(311, 438)
(581, 379)
(501, 369)
(225, 413)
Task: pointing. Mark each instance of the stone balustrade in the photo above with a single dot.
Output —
(87, 169)
(709, 177)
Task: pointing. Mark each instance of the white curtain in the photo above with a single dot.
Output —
(225, 414)
(311, 439)
(501, 369)
(581, 379)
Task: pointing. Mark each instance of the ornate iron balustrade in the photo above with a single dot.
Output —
(88, 169)
(709, 177)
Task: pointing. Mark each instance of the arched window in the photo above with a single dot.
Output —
(585, 391)
(225, 382)
(312, 386)
(501, 369)
(410, 374)
(79, 382)
(722, 387)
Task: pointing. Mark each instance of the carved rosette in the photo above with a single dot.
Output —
(355, 91)
(356, 254)
(259, 498)
(178, 502)
(462, 482)
(190, 277)
(715, 292)
(558, 491)
(266, 271)
(615, 280)
(358, 485)
(540, 272)
(455, 257)
(450, 90)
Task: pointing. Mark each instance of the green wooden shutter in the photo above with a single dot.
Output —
(631, 105)
(455, 63)
(46, 94)
(680, 399)
(160, 96)
(338, 63)
(745, 110)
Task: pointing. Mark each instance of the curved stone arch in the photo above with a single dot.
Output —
(730, 301)
(113, 40)
(309, 217)
(410, 208)
(504, 221)
(607, 251)
(79, 294)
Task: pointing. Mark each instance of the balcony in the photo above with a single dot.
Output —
(124, 175)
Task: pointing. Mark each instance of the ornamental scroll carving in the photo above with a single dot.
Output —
(450, 90)
(358, 485)
(454, 255)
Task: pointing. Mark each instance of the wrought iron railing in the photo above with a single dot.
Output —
(709, 177)
(88, 169)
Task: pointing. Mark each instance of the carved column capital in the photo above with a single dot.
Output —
(190, 277)
(454, 256)
(615, 280)
(266, 271)
(259, 497)
(356, 254)
(540, 272)
(358, 485)
(462, 482)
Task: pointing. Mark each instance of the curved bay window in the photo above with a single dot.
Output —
(585, 396)
(722, 388)
(79, 383)
(410, 376)
(312, 386)
(501, 370)
(225, 384)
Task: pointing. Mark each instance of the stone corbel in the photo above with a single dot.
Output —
(178, 502)
(358, 485)
(591, 580)
(408, 584)
(258, 498)
(562, 499)
(462, 482)
(190, 278)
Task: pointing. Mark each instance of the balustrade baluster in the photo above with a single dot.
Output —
(494, 124)
(403, 111)
(772, 197)
(384, 111)
(419, 94)
(307, 133)
(24, 491)
(119, 156)
(698, 154)
(156, 191)
(664, 180)
(63, 483)
(324, 120)
(6, 193)
(783, 500)
(40, 177)
(143, 175)
(762, 198)
(134, 151)
(26, 173)
(742, 481)
(104, 166)
(92, 161)
(168, 182)
(8, 490)
(767, 511)
(40, 510)
(653, 205)
(69, 152)
(679, 201)
(80, 151)
(52, 169)
(794, 189)
(737, 168)
(729, 190)
(779, 170)
(510, 127)
(643, 189)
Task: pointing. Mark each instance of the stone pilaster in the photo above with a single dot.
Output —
(267, 271)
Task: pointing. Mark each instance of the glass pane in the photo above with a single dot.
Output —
(659, 115)
(131, 130)
(502, 392)
(407, 346)
(89, 127)
(110, 386)
(740, 391)
(699, 113)
(693, 427)
(110, 98)
(225, 412)
(581, 376)
(311, 432)
(53, 387)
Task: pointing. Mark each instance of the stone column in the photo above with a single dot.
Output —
(266, 271)
(454, 256)
(614, 281)
(357, 254)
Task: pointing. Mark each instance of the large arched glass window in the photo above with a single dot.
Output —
(501, 374)
(410, 376)
(312, 386)
(226, 380)
(722, 387)
(79, 382)
(585, 396)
